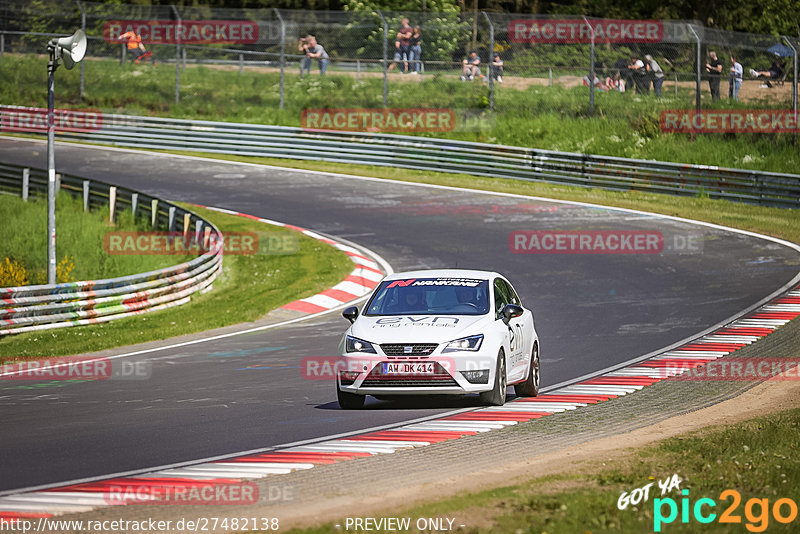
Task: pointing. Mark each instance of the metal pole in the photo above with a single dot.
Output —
(122, 56)
(241, 63)
(26, 180)
(697, 74)
(550, 76)
(179, 30)
(591, 66)
(51, 167)
(385, 58)
(283, 52)
(794, 84)
(491, 59)
(83, 27)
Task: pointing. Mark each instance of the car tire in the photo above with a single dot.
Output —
(350, 401)
(530, 387)
(497, 396)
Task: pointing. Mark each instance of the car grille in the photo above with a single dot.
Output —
(377, 379)
(417, 349)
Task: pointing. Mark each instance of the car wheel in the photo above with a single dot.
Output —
(350, 401)
(497, 396)
(530, 388)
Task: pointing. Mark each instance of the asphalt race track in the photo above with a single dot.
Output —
(592, 311)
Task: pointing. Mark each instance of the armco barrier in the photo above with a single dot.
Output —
(44, 307)
(433, 154)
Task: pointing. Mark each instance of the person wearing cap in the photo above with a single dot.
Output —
(656, 72)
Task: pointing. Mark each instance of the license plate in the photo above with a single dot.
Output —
(409, 368)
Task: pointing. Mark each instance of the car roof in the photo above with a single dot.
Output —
(445, 273)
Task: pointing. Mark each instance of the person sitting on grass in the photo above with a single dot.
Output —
(497, 68)
(471, 67)
(775, 72)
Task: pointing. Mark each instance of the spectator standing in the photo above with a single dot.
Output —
(312, 50)
(714, 70)
(470, 67)
(656, 72)
(639, 73)
(402, 45)
(496, 70)
(735, 78)
(415, 54)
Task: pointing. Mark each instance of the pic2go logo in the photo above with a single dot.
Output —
(756, 511)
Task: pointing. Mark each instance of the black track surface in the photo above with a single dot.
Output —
(247, 392)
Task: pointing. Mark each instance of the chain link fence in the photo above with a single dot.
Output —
(470, 64)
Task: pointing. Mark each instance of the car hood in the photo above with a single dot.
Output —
(418, 328)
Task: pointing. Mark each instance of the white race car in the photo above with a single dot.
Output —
(451, 332)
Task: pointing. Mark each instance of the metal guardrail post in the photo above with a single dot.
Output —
(178, 30)
(491, 59)
(283, 53)
(794, 85)
(26, 180)
(697, 90)
(385, 58)
(171, 220)
(153, 213)
(134, 204)
(112, 203)
(83, 27)
(86, 190)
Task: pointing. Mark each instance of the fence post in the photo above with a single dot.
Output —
(122, 56)
(385, 56)
(83, 27)
(2, 44)
(794, 85)
(491, 59)
(697, 74)
(591, 66)
(134, 204)
(183, 58)
(550, 76)
(171, 220)
(358, 69)
(283, 52)
(26, 179)
(86, 189)
(178, 31)
(676, 84)
(241, 63)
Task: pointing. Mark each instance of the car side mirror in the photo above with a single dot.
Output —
(350, 314)
(510, 311)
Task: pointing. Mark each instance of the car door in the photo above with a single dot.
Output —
(522, 332)
(501, 298)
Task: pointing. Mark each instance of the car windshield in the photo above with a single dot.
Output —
(430, 296)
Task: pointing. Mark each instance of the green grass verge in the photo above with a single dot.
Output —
(758, 458)
(776, 222)
(554, 118)
(79, 241)
(248, 287)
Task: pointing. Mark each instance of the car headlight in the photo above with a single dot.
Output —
(472, 343)
(353, 344)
